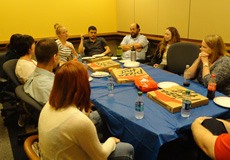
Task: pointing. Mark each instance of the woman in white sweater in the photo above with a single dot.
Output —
(65, 131)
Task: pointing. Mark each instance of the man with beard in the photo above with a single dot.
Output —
(137, 40)
(93, 45)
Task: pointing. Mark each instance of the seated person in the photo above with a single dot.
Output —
(94, 45)
(214, 145)
(66, 48)
(159, 59)
(69, 133)
(209, 139)
(40, 83)
(213, 59)
(26, 65)
(137, 40)
(11, 52)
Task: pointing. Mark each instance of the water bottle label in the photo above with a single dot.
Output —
(110, 86)
(211, 87)
(139, 106)
(186, 105)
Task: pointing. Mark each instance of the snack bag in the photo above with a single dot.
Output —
(146, 84)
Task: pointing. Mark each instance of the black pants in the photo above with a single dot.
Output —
(185, 148)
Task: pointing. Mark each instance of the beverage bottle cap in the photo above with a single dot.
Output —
(109, 76)
(213, 76)
(139, 93)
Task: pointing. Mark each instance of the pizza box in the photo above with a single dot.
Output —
(127, 75)
(171, 98)
(103, 65)
(90, 60)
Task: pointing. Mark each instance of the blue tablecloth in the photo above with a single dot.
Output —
(158, 125)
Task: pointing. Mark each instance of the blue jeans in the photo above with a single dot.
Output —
(123, 151)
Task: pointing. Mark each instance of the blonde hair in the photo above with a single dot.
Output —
(57, 28)
(216, 43)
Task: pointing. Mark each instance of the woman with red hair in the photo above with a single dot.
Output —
(65, 132)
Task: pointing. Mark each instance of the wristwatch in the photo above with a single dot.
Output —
(205, 65)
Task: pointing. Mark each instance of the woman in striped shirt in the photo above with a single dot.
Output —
(66, 49)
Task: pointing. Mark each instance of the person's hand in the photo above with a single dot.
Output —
(82, 36)
(115, 139)
(156, 65)
(203, 56)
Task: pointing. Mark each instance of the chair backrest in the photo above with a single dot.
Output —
(21, 94)
(9, 68)
(180, 54)
(29, 142)
(2, 60)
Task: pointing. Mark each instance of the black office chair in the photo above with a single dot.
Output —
(148, 55)
(9, 69)
(33, 108)
(3, 80)
(180, 54)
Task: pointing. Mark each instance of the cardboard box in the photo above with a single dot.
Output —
(127, 75)
(96, 59)
(103, 65)
(171, 98)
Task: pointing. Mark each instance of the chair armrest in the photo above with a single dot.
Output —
(28, 147)
(3, 80)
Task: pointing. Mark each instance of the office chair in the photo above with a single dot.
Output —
(33, 108)
(29, 149)
(148, 55)
(9, 69)
(3, 80)
(179, 55)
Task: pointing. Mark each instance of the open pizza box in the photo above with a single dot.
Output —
(90, 60)
(103, 65)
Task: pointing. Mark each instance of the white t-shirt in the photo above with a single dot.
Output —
(69, 134)
(24, 69)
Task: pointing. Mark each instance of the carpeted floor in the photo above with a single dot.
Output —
(12, 149)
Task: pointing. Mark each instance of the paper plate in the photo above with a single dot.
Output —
(113, 58)
(131, 64)
(167, 84)
(90, 78)
(125, 61)
(99, 74)
(222, 101)
(98, 55)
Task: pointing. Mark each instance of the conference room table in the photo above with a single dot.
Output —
(159, 125)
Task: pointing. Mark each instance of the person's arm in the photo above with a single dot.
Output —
(138, 46)
(107, 50)
(86, 137)
(193, 68)
(70, 45)
(81, 48)
(203, 137)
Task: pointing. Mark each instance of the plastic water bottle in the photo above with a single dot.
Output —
(186, 76)
(79, 57)
(212, 87)
(186, 104)
(110, 86)
(75, 56)
(119, 53)
(139, 106)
